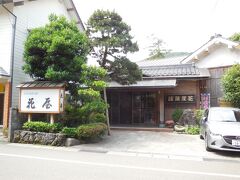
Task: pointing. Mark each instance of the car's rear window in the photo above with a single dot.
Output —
(224, 115)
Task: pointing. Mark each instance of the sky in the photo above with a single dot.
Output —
(184, 25)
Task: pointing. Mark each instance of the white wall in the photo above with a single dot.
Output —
(5, 39)
(219, 56)
(30, 15)
(36, 12)
(20, 37)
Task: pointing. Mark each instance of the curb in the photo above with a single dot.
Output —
(129, 153)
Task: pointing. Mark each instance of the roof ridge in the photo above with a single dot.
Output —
(167, 66)
(160, 59)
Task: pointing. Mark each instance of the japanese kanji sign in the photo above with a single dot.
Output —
(41, 100)
(180, 98)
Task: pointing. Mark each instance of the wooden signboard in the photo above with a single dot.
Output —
(43, 100)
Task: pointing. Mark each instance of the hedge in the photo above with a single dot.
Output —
(39, 126)
(86, 132)
(91, 131)
(70, 132)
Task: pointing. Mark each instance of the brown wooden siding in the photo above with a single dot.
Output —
(183, 88)
(213, 85)
(1, 108)
(6, 105)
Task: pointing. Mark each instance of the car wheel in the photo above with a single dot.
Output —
(206, 144)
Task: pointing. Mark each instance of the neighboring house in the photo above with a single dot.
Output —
(171, 83)
(29, 14)
(217, 55)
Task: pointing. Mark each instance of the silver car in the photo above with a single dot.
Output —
(220, 128)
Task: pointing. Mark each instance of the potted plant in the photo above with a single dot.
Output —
(176, 115)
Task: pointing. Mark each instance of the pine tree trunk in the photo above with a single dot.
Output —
(105, 99)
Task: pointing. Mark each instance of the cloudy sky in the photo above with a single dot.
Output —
(183, 24)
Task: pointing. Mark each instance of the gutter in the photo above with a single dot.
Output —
(75, 9)
(12, 49)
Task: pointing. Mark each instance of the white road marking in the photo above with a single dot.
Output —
(123, 166)
(120, 153)
(191, 158)
(152, 155)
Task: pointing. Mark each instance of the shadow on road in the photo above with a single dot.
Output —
(227, 153)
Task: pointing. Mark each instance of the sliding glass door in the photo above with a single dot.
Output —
(133, 108)
(144, 108)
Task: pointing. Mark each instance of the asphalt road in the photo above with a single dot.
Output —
(20, 162)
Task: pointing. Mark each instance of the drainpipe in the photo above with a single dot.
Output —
(13, 47)
(12, 57)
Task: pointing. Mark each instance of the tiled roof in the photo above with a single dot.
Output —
(156, 83)
(3, 72)
(183, 70)
(41, 84)
(161, 62)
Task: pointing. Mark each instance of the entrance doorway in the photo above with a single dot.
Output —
(1, 107)
(133, 108)
(144, 108)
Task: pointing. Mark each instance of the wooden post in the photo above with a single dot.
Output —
(105, 99)
(52, 119)
(29, 117)
(162, 108)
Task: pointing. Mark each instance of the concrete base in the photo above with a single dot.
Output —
(142, 129)
(2, 137)
(161, 125)
(72, 142)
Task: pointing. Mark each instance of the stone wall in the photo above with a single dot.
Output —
(29, 137)
(188, 118)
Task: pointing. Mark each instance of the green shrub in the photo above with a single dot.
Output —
(55, 128)
(193, 130)
(39, 126)
(97, 118)
(199, 115)
(72, 116)
(91, 131)
(177, 114)
(231, 85)
(70, 132)
(93, 107)
(90, 112)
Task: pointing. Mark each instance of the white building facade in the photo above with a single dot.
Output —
(27, 14)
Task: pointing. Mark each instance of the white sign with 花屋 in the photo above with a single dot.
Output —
(41, 100)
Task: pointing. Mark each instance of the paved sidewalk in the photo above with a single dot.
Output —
(146, 144)
(153, 143)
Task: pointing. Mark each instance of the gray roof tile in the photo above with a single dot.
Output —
(155, 83)
(183, 70)
(41, 84)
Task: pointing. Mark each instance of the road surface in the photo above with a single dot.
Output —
(29, 162)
